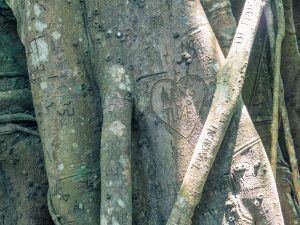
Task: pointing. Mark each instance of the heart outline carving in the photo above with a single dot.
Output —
(178, 104)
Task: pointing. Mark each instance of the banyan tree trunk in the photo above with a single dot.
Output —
(174, 82)
(23, 180)
(146, 54)
(67, 113)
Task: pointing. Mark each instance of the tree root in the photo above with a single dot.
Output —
(11, 74)
(16, 117)
(270, 28)
(276, 83)
(229, 85)
(282, 105)
(15, 100)
(289, 144)
(53, 215)
(11, 128)
(117, 105)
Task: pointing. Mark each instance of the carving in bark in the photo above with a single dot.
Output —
(116, 52)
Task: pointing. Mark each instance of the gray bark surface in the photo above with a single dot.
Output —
(164, 65)
(66, 108)
(87, 55)
(23, 180)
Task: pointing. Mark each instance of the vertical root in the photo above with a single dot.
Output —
(229, 85)
(276, 83)
(116, 184)
(270, 28)
(282, 108)
(289, 144)
(54, 217)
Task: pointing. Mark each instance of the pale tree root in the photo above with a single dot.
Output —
(211, 136)
(284, 184)
(258, 86)
(16, 117)
(69, 169)
(116, 93)
(65, 104)
(11, 128)
(116, 188)
(276, 55)
(54, 216)
(270, 28)
(219, 12)
(23, 184)
(288, 201)
(276, 83)
(290, 73)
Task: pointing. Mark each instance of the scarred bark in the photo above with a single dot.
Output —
(23, 184)
(164, 144)
(229, 85)
(116, 188)
(241, 134)
(66, 110)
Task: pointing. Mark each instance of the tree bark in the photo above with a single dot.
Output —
(23, 185)
(144, 46)
(65, 105)
(291, 70)
(229, 85)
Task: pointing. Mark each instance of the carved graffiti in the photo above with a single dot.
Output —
(35, 51)
(67, 109)
(245, 21)
(114, 167)
(56, 190)
(178, 104)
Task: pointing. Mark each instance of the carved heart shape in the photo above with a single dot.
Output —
(179, 104)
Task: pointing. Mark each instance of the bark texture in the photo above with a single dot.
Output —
(164, 65)
(257, 94)
(291, 68)
(146, 47)
(276, 81)
(229, 85)
(23, 185)
(65, 106)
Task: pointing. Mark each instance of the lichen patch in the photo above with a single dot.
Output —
(40, 26)
(117, 128)
(103, 220)
(114, 221)
(61, 167)
(110, 210)
(121, 204)
(43, 85)
(37, 10)
(124, 87)
(39, 52)
(56, 35)
(117, 72)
